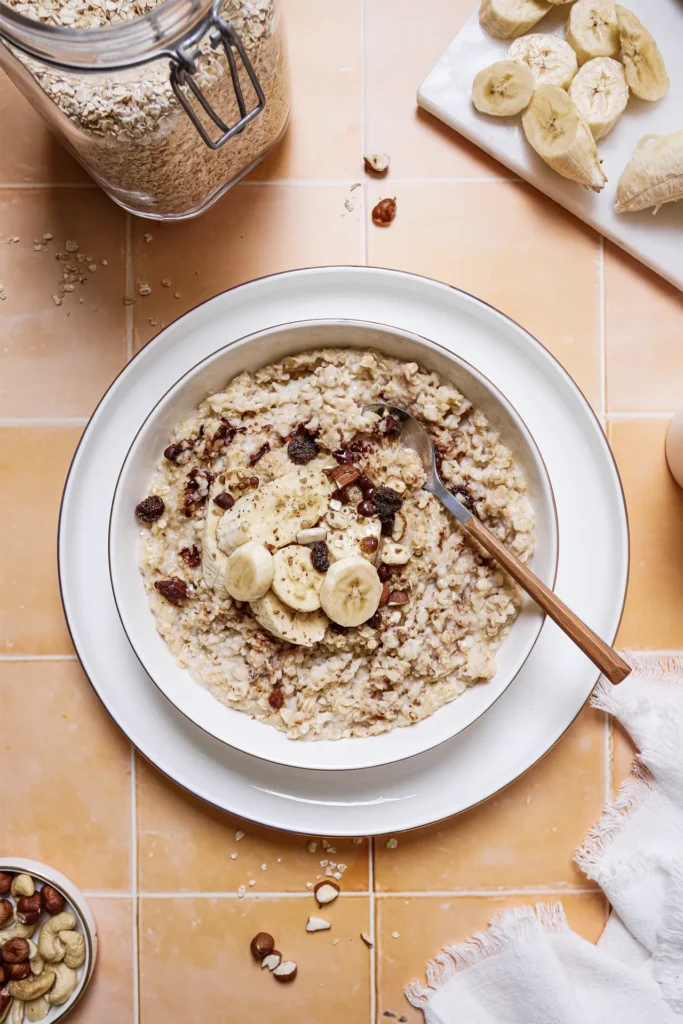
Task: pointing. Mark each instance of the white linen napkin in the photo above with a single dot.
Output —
(529, 967)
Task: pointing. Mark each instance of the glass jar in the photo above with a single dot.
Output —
(165, 111)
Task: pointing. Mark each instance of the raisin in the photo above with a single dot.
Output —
(151, 509)
(224, 500)
(174, 590)
(384, 572)
(276, 699)
(336, 628)
(345, 457)
(392, 426)
(367, 508)
(369, 544)
(302, 448)
(173, 452)
(387, 502)
(464, 495)
(388, 526)
(375, 621)
(366, 485)
(255, 456)
(191, 556)
(320, 556)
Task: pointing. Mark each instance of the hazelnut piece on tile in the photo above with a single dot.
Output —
(262, 945)
(272, 961)
(325, 892)
(317, 924)
(376, 163)
(286, 971)
(384, 212)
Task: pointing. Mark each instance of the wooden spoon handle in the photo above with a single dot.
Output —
(600, 653)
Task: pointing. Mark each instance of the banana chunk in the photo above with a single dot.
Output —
(351, 591)
(276, 512)
(349, 541)
(302, 628)
(506, 19)
(555, 129)
(654, 174)
(592, 30)
(295, 580)
(550, 59)
(644, 64)
(600, 93)
(213, 560)
(503, 89)
(249, 572)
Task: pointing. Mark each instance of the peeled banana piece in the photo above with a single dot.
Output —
(295, 580)
(507, 19)
(276, 512)
(550, 59)
(556, 130)
(503, 89)
(213, 560)
(351, 591)
(302, 628)
(644, 64)
(654, 174)
(249, 572)
(592, 30)
(600, 93)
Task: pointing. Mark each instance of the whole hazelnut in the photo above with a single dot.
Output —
(262, 945)
(5, 883)
(384, 212)
(53, 901)
(15, 951)
(3, 973)
(29, 909)
(17, 972)
(6, 911)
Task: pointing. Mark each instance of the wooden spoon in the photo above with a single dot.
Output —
(415, 436)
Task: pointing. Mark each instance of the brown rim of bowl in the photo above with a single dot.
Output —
(371, 270)
(90, 959)
(351, 323)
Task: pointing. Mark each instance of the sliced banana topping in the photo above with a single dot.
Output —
(644, 64)
(550, 59)
(503, 89)
(355, 539)
(249, 572)
(555, 129)
(295, 580)
(351, 591)
(600, 93)
(275, 513)
(654, 174)
(506, 19)
(302, 628)
(592, 30)
(213, 560)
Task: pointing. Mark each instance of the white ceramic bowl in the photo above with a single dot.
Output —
(77, 905)
(235, 727)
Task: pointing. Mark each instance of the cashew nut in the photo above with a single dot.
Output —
(64, 985)
(32, 988)
(74, 943)
(17, 930)
(37, 1009)
(17, 1015)
(22, 885)
(36, 962)
(50, 946)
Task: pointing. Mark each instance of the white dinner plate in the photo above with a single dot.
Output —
(554, 683)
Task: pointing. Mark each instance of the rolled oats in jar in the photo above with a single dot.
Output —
(101, 72)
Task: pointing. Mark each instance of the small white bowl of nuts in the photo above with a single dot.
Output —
(48, 943)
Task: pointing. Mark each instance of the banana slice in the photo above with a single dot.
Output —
(644, 64)
(276, 512)
(351, 591)
(349, 541)
(600, 93)
(506, 19)
(302, 628)
(249, 572)
(555, 129)
(503, 89)
(551, 60)
(213, 560)
(592, 30)
(654, 174)
(295, 580)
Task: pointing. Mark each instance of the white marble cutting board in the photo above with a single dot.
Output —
(655, 240)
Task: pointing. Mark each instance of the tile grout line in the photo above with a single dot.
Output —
(129, 286)
(372, 924)
(607, 719)
(134, 884)
(349, 894)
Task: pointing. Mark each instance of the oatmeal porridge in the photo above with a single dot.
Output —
(297, 569)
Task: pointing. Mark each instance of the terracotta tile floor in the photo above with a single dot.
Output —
(158, 864)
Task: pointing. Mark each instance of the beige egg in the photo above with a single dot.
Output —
(674, 447)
